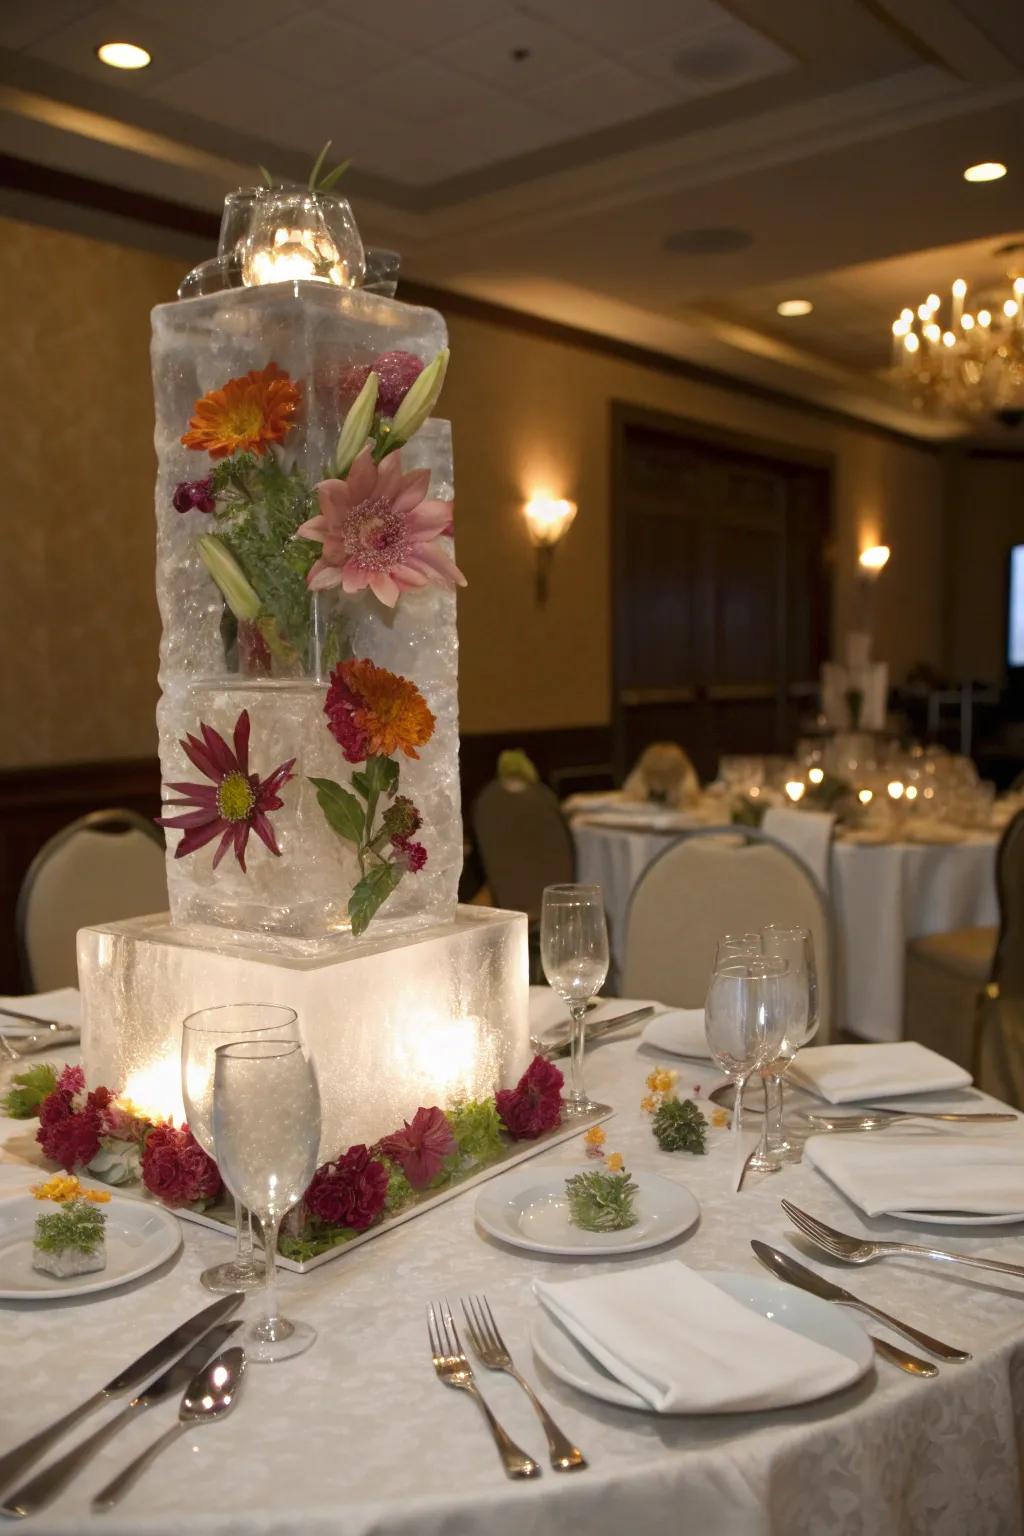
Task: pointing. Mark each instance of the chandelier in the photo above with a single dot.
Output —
(964, 358)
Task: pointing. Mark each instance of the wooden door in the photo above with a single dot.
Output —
(720, 590)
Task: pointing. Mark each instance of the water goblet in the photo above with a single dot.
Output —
(266, 1129)
(202, 1033)
(737, 946)
(796, 947)
(574, 953)
(744, 1021)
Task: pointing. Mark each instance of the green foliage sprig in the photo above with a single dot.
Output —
(28, 1090)
(477, 1129)
(316, 182)
(601, 1202)
(680, 1127)
(78, 1225)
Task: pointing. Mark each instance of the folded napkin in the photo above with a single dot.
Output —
(844, 1074)
(63, 1007)
(550, 1015)
(920, 1170)
(680, 1031)
(684, 1346)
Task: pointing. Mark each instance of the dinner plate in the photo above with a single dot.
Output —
(782, 1304)
(139, 1236)
(959, 1218)
(529, 1209)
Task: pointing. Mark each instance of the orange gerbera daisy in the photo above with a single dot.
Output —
(374, 713)
(246, 416)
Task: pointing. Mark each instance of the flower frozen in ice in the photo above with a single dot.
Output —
(246, 415)
(234, 803)
(372, 712)
(378, 530)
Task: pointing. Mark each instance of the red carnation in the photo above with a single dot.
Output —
(176, 1169)
(70, 1136)
(534, 1105)
(349, 1192)
(421, 1146)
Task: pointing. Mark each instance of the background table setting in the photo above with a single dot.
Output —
(367, 1440)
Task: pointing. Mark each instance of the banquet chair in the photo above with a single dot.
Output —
(957, 981)
(524, 844)
(717, 880)
(105, 866)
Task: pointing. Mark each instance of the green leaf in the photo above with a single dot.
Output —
(28, 1090)
(267, 177)
(370, 893)
(317, 163)
(361, 783)
(333, 177)
(344, 813)
(381, 775)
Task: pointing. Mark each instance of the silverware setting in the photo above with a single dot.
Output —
(874, 1118)
(53, 1479)
(863, 1250)
(455, 1371)
(23, 1456)
(45, 1024)
(211, 1394)
(556, 1045)
(492, 1352)
(787, 1268)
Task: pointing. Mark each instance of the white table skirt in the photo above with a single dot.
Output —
(884, 895)
(358, 1437)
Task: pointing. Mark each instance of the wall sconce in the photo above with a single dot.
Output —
(548, 520)
(873, 561)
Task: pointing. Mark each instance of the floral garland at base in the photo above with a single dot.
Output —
(96, 1131)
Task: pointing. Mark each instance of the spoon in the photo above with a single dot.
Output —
(210, 1394)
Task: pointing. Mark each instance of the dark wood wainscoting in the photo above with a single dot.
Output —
(37, 802)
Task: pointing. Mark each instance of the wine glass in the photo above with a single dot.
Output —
(744, 1020)
(574, 953)
(201, 1035)
(796, 947)
(737, 946)
(266, 1129)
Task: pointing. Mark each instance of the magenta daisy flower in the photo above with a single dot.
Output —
(379, 531)
(234, 803)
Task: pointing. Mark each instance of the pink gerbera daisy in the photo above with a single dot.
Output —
(234, 803)
(379, 531)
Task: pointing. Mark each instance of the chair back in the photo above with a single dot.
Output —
(712, 881)
(104, 867)
(1008, 966)
(523, 841)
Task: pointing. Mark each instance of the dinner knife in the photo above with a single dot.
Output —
(33, 1018)
(786, 1268)
(935, 1114)
(169, 1348)
(45, 1486)
(562, 1045)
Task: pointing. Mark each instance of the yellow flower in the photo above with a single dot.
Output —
(614, 1162)
(595, 1137)
(64, 1186)
(662, 1080)
(649, 1104)
(719, 1117)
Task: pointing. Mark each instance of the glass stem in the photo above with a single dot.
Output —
(243, 1232)
(269, 1325)
(578, 1015)
(773, 1109)
(737, 1114)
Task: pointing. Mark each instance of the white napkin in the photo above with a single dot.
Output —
(843, 1074)
(684, 1346)
(549, 1014)
(62, 1007)
(680, 1031)
(921, 1170)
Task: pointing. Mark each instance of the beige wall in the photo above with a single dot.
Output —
(78, 622)
(990, 507)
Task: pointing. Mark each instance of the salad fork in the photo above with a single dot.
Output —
(492, 1352)
(862, 1250)
(455, 1371)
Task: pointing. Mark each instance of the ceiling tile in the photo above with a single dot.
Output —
(225, 90)
(615, 24)
(489, 52)
(719, 59)
(74, 46)
(602, 97)
(423, 90)
(320, 50)
(507, 130)
(419, 25)
(225, 22)
(21, 25)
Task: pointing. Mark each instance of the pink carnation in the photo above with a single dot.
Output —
(349, 1192)
(70, 1134)
(534, 1105)
(421, 1146)
(176, 1169)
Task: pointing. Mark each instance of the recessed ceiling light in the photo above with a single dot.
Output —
(985, 170)
(123, 55)
(790, 308)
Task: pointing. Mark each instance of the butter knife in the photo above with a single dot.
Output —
(560, 1045)
(32, 1018)
(134, 1375)
(45, 1486)
(785, 1267)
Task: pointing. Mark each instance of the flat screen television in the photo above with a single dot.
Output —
(1015, 610)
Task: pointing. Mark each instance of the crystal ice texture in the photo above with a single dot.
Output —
(391, 1023)
(298, 901)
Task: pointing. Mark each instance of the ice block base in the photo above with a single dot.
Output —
(392, 1022)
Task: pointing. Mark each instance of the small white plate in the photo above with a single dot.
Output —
(139, 1236)
(783, 1304)
(959, 1218)
(529, 1209)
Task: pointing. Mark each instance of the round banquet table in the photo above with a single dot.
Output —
(884, 895)
(357, 1436)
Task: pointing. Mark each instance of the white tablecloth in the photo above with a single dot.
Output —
(884, 895)
(358, 1437)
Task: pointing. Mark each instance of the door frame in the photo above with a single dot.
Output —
(625, 415)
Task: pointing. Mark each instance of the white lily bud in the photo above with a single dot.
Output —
(357, 425)
(240, 597)
(420, 400)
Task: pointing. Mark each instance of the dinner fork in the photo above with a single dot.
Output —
(454, 1370)
(862, 1250)
(492, 1352)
